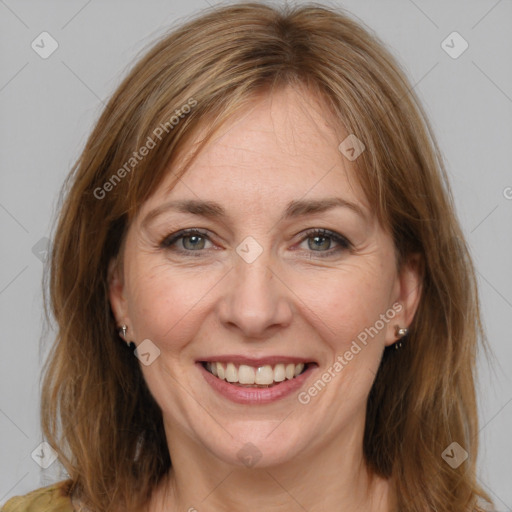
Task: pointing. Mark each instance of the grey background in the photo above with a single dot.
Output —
(48, 107)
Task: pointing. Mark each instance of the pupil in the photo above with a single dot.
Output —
(194, 239)
(319, 245)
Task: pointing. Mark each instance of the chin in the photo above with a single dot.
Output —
(258, 444)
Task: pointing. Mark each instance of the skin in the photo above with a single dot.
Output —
(289, 301)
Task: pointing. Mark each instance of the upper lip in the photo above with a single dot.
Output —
(255, 361)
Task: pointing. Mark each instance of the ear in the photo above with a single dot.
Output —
(407, 294)
(116, 293)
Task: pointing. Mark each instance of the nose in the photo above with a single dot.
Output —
(256, 301)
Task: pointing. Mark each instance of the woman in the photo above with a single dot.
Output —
(264, 298)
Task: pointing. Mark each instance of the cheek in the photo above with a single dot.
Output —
(166, 304)
(343, 304)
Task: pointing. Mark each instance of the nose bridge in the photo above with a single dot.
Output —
(255, 300)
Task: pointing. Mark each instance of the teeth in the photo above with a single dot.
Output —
(231, 373)
(298, 369)
(261, 376)
(264, 375)
(212, 368)
(279, 373)
(246, 375)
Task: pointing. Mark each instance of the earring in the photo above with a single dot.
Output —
(122, 332)
(401, 332)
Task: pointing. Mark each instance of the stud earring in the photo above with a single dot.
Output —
(401, 332)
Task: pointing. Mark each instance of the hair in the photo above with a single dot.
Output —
(96, 409)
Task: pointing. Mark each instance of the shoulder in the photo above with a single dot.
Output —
(53, 498)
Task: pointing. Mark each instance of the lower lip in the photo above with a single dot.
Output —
(244, 395)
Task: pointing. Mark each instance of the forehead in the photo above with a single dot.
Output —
(284, 145)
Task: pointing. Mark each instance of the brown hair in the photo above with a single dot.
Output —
(97, 411)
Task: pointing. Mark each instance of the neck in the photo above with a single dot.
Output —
(328, 478)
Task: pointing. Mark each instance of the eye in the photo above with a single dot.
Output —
(191, 240)
(322, 241)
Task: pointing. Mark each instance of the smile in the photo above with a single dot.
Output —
(256, 381)
(255, 376)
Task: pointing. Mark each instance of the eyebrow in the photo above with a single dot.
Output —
(211, 209)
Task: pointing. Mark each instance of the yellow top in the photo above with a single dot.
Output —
(53, 498)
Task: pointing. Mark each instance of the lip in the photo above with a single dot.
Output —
(243, 395)
(255, 361)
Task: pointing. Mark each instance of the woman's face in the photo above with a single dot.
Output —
(284, 267)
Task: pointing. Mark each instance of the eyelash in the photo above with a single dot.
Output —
(168, 242)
